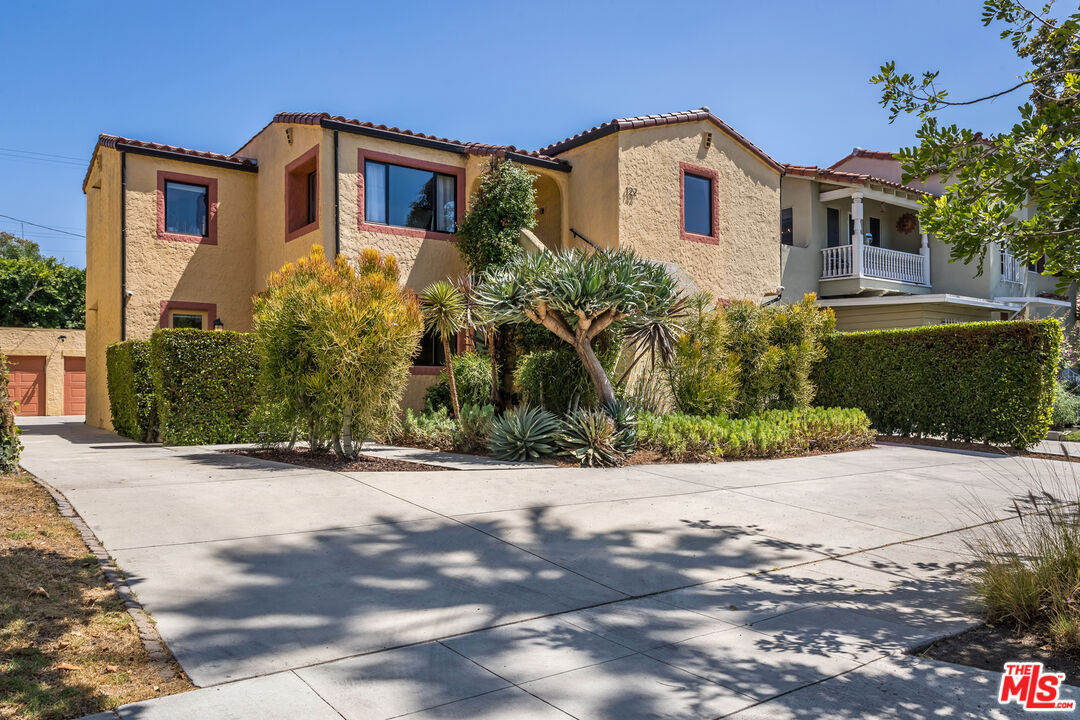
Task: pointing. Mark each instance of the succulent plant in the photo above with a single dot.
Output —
(626, 425)
(589, 436)
(524, 433)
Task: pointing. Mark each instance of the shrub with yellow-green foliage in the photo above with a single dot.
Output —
(10, 447)
(335, 342)
(773, 433)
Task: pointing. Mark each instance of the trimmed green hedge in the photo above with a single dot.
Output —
(205, 382)
(131, 390)
(772, 433)
(991, 381)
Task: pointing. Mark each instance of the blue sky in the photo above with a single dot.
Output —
(790, 75)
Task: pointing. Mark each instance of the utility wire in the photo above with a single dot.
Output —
(45, 227)
(34, 152)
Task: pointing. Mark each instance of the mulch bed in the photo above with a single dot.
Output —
(330, 461)
(972, 447)
(989, 647)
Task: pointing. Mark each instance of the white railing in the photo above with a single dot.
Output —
(836, 262)
(892, 264)
(1010, 268)
(877, 262)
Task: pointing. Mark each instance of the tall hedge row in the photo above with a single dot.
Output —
(991, 381)
(205, 382)
(131, 390)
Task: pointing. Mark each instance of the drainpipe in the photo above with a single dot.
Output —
(337, 201)
(123, 246)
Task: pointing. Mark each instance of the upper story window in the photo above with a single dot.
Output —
(787, 235)
(187, 208)
(409, 197)
(302, 194)
(699, 198)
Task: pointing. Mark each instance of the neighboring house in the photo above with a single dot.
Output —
(185, 238)
(47, 370)
(850, 233)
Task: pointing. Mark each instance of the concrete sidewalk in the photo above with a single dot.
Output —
(779, 588)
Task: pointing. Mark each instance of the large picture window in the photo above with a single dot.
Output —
(186, 208)
(409, 197)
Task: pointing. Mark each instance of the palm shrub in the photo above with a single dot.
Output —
(335, 344)
(578, 296)
(443, 308)
(524, 433)
(10, 447)
(590, 437)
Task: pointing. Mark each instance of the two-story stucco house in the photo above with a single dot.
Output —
(850, 233)
(185, 238)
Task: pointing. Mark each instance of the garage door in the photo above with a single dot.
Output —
(26, 384)
(74, 386)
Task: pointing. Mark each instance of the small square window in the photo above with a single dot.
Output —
(431, 353)
(187, 320)
(697, 207)
(186, 208)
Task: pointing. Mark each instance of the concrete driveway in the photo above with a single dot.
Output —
(286, 592)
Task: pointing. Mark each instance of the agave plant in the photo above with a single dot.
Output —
(524, 433)
(624, 416)
(590, 437)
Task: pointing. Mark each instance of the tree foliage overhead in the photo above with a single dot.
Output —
(38, 291)
(504, 203)
(336, 342)
(1017, 188)
(578, 296)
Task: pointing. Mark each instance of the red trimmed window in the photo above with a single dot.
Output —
(302, 195)
(186, 208)
(402, 196)
(699, 206)
(180, 314)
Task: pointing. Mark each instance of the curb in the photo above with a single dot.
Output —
(155, 647)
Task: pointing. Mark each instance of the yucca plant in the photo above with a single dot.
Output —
(578, 296)
(443, 306)
(590, 437)
(524, 433)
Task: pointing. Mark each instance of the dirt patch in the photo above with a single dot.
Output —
(989, 647)
(68, 646)
(330, 461)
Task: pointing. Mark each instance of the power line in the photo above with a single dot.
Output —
(34, 152)
(44, 227)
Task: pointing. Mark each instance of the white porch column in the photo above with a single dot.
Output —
(856, 234)
(925, 252)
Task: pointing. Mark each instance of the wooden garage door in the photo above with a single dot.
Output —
(74, 386)
(26, 384)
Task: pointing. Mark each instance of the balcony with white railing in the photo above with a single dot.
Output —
(1011, 270)
(876, 262)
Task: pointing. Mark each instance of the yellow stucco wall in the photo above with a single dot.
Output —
(46, 342)
(274, 151)
(746, 262)
(422, 260)
(883, 317)
(102, 279)
(167, 270)
(593, 188)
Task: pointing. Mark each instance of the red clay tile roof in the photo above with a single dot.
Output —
(860, 153)
(113, 140)
(644, 121)
(843, 176)
(470, 147)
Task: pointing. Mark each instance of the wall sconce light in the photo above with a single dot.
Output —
(62, 338)
(218, 325)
